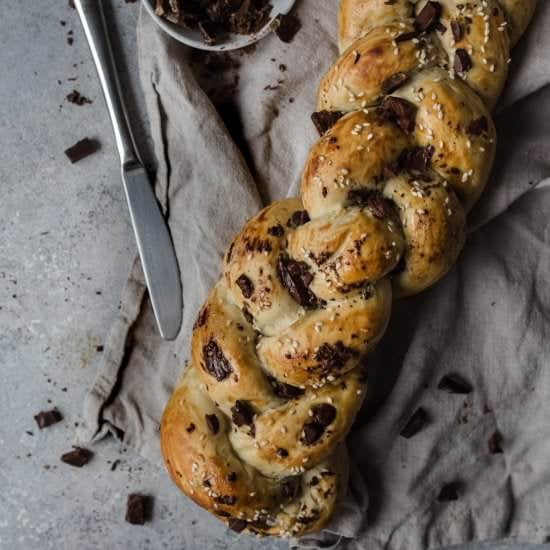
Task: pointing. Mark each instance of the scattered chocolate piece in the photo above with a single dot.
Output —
(416, 423)
(325, 120)
(115, 464)
(78, 457)
(393, 82)
(296, 278)
(453, 383)
(77, 98)
(379, 206)
(136, 509)
(246, 285)
(449, 492)
(70, 40)
(428, 17)
(191, 428)
(416, 159)
(300, 217)
(29, 432)
(281, 453)
(478, 126)
(406, 36)
(495, 443)
(286, 26)
(213, 423)
(312, 432)
(237, 525)
(215, 362)
(457, 30)
(463, 62)
(47, 418)
(99, 349)
(242, 413)
(82, 149)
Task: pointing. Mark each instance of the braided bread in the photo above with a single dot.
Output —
(254, 431)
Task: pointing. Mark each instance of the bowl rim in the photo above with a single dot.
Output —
(194, 39)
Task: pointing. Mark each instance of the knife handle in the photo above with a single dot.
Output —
(92, 15)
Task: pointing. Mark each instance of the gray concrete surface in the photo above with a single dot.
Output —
(65, 248)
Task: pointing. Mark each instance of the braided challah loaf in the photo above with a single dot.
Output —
(254, 431)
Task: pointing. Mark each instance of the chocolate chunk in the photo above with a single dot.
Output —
(428, 17)
(495, 443)
(248, 316)
(281, 453)
(231, 477)
(246, 285)
(449, 492)
(250, 17)
(333, 357)
(242, 413)
(399, 111)
(463, 62)
(136, 509)
(296, 278)
(406, 36)
(47, 418)
(314, 481)
(325, 120)
(228, 500)
(202, 317)
(453, 383)
(286, 391)
(312, 432)
(393, 82)
(215, 362)
(416, 423)
(191, 428)
(441, 28)
(211, 32)
(286, 27)
(416, 159)
(457, 30)
(478, 126)
(324, 414)
(77, 457)
(300, 217)
(237, 525)
(276, 230)
(213, 423)
(82, 149)
(77, 98)
(379, 207)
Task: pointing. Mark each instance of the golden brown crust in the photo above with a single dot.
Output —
(254, 430)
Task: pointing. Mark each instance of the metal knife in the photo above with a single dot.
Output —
(155, 246)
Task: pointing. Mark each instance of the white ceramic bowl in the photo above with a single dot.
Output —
(234, 41)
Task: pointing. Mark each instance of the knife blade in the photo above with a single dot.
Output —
(156, 250)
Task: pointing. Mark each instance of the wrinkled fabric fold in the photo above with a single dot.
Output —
(487, 320)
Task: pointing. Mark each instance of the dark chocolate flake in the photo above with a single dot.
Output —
(213, 423)
(463, 62)
(296, 278)
(298, 218)
(457, 30)
(276, 230)
(242, 413)
(136, 509)
(286, 391)
(325, 120)
(191, 428)
(324, 414)
(478, 126)
(399, 111)
(215, 362)
(416, 423)
(393, 82)
(453, 383)
(246, 285)
(312, 432)
(406, 36)
(331, 357)
(428, 18)
(78, 457)
(82, 149)
(286, 26)
(47, 418)
(281, 453)
(236, 524)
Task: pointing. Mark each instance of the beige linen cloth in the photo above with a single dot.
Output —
(488, 320)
